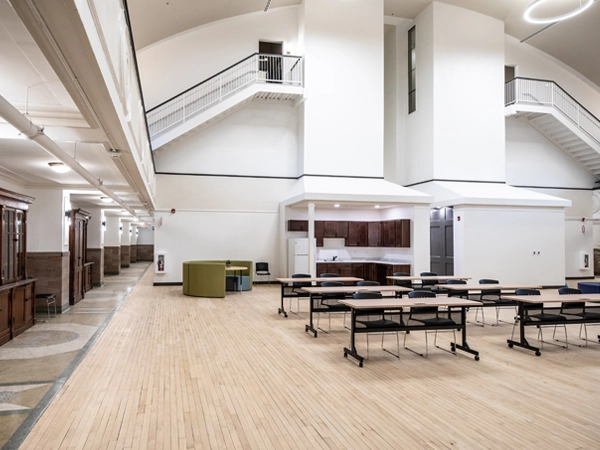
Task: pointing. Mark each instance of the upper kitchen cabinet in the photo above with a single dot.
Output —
(319, 232)
(297, 225)
(388, 238)
(374, 234)
(402, 233)
(358, 233)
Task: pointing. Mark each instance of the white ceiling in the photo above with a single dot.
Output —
(570, 41)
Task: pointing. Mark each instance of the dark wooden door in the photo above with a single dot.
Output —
(442, 241)
(5, 315)
(271, 64)
(77, 249)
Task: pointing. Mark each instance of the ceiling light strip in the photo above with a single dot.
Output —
(528, 17)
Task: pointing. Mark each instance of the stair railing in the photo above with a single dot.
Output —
(256, 68)
(548, 93)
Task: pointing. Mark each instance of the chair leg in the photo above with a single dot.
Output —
(397, 355)
(411, 350)
(482, 323)
(441, 348)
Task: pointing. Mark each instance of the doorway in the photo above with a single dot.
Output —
(270, 60)
(78, 251)
(509, 73)
(442, 241)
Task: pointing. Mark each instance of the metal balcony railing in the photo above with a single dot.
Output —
(256, 68)
(548, 93)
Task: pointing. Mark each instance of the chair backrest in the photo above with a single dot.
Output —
(456, 282)
(366, 295)
(488, 281)
(328, 275)
(421, 294)
(429, 282)
(567, 291)
(368, 283)
(403, 283)
(569, 306)
(262, 266)
(302, 283)
(332, 284)
(527, 292)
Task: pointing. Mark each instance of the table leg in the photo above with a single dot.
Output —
(465, 345)
(523, 341)
(352, 350)
(310, 326)
(282, 309)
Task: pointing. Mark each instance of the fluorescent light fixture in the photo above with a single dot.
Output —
(337, 205)
(583, 5)
(106, 199)
(59, 167)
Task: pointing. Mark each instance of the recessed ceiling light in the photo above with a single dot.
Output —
(106, 199)
(337, 205)
(583, 5)
(59, 167)
(377, 206)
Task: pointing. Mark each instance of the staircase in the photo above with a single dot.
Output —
(257, 77)
(558, 116)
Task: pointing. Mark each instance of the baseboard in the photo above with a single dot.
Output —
(580, 278)
(174, 283)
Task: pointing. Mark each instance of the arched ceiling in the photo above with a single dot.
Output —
(570, 41)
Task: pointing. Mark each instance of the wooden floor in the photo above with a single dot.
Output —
(177, 372)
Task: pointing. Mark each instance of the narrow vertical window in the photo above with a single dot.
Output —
(412, 71)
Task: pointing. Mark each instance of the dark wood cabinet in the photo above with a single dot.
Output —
(17, 292)
(388, 238)
(87, 276)
(402, 227)
(341, 229)
(358, 234)
(358, 270)
(319, 232)
(374, 234)
(5, 315)
(297, 225)
(329, 229)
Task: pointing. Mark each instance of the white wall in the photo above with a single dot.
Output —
(95, 232)
(579, 238)
(343, 111)
(418, 154)
(261, 139)
(533, 160)
(146, 236)
(468, 95)
(175, 64)
(47, 229)
(126, 232)
(217, 218)
(186, 236)
(500, 243)
(533, 63)
(112, 234)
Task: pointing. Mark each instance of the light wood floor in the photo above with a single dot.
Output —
(176, 372)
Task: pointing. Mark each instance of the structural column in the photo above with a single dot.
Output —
(125, 243)
(312, 265)
(112, 245)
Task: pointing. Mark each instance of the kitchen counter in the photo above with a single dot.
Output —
(367, 269)
(363, 261)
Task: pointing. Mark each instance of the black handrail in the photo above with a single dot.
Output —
(216, 75)
(561, 88)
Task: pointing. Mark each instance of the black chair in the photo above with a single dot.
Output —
(493, 296)
(535, 313)
(453, 293)
(427, 315)
(261, 269)
(329, 301)
(577, 309)
(403, 283)
(297, 289)
(428, 284)
(328, 275)
(377, 318)
(368, 283)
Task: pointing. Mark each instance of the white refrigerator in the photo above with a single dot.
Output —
(298, 255)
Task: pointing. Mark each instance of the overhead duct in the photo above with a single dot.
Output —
(14, 117)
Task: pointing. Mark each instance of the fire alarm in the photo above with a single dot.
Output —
(458, 218)
(172, 210)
